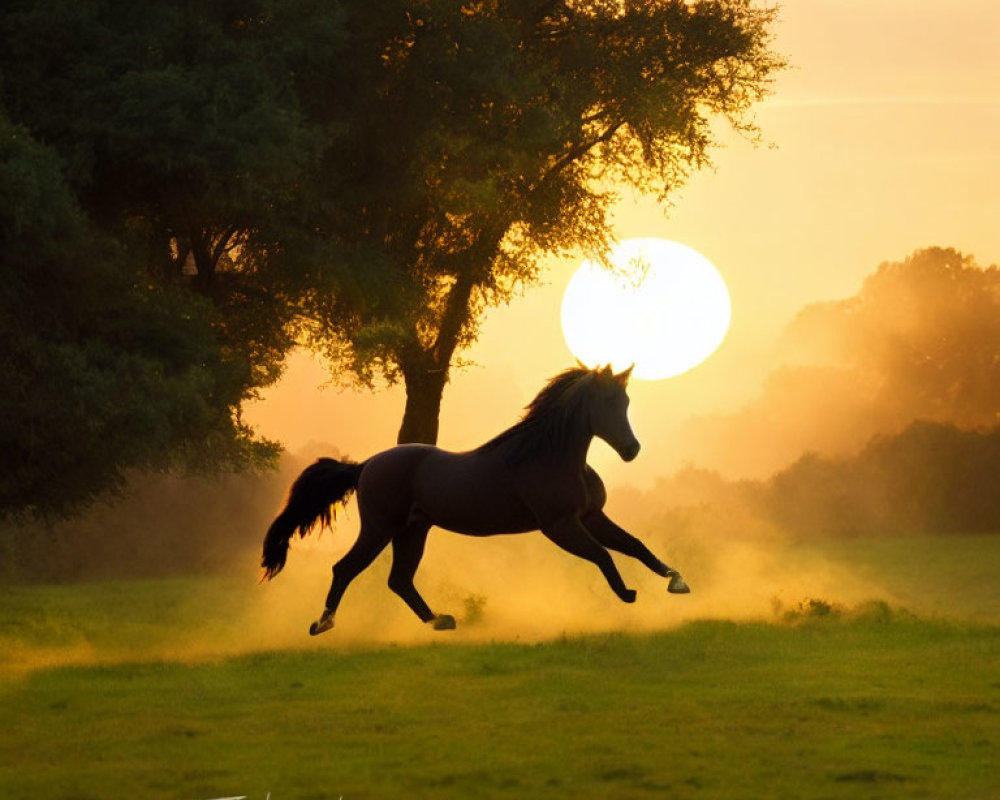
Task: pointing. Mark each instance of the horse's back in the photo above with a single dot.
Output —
(470, 492)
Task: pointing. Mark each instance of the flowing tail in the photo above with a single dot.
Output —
(313, 498)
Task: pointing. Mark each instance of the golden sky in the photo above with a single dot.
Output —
(884, 139)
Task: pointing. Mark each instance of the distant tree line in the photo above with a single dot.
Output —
(930, 478)
(883, 418)
(914, 362)
(188, 190)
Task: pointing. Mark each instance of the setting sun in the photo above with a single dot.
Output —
(664, 307)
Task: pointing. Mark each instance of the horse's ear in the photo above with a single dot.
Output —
(605, 372)
(623, 376)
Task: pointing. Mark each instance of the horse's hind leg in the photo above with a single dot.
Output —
(572, 537)
(407, 550)
(614, 538)
(371, 541)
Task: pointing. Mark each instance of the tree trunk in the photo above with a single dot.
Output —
(424, 383)
(425, 371)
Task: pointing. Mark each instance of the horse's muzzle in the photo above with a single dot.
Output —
(630, 451)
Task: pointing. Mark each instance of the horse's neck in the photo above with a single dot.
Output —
(571, 451)
(521, 445)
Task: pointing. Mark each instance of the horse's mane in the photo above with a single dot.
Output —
(550, 416)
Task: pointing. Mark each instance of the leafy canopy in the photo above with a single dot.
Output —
(486, 134)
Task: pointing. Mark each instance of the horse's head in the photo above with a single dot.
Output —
(609, 412)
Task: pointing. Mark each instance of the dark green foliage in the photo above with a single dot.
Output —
(103, 370)
(143, 136)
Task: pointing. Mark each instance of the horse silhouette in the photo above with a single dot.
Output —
(533, 476)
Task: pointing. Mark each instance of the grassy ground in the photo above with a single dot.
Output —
(952, 577)
(876, 707)
(101, 697)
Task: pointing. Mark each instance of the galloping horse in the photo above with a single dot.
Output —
(533, 476)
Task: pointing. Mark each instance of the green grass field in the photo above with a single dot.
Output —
(104, 697)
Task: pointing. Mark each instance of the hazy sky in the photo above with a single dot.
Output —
(885, 138)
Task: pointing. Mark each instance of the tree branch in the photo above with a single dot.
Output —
(577, 152)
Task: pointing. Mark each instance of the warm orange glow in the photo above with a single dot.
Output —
(665, 309)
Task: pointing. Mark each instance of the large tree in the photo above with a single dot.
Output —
(486, 134)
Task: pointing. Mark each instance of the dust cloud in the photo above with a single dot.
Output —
(518, 588)
(523, 588)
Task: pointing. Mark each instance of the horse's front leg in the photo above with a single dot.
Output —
(608, 534)
(570, 534)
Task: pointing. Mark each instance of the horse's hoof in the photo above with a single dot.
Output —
(628, 596)
(323, 624)
(677, 584)
(443, 622)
